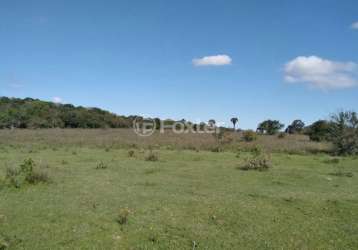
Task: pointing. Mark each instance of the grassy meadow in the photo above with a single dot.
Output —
(105, 192)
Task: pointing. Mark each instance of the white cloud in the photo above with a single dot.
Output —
(217, 60)
(354, 25)
(57, 99)
(321, 73)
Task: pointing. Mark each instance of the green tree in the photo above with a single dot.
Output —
(318, 131)
(296, 127)
(270, 127)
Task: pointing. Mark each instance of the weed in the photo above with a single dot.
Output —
(123, 215)
(101, 165)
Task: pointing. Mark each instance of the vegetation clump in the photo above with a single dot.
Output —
(344, 133)
(4, 244)
(151, 156)
(123, 215)
(131, 153)
(26, 173)
(258, 161)
(249, 135)
(101, 165)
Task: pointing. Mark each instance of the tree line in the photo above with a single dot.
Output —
(34, 113)
(341, 129)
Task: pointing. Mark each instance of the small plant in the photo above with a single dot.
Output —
(123, 215)
(131, 153)
(249, 135)
(101, 165)
(151, 156)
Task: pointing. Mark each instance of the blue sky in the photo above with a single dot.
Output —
(184, 59)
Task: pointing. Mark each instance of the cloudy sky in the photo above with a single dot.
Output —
(184, 59)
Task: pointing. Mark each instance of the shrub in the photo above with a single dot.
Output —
(258, 162)
(151, 156)
(101, 165)
(249, 135)
(123, 215)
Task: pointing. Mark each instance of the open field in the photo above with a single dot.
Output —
(187, 199)
(126, 138)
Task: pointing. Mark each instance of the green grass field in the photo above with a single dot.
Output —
(185, 200)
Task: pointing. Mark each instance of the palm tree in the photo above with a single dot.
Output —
(234, 120)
